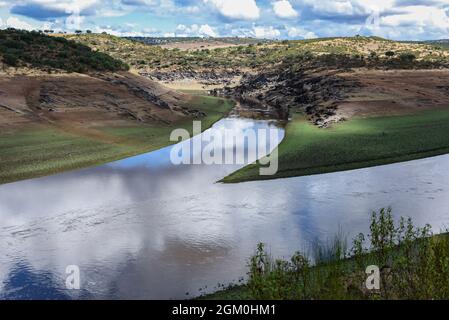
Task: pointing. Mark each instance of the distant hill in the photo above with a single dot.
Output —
(439, 41)
(444, 43)
(239, 58)
(34, 49)
(169, 40)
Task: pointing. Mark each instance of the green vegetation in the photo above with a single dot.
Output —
(44, 150)
(354, 144)
(413, 265)
(168, 40)
(35, 49)
(262, 55)
(40, 151)
(158, 137)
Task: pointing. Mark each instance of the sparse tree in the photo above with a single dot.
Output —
(407, 57)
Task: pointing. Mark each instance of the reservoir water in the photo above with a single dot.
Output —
(144, 228)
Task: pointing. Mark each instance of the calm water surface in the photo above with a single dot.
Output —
(144, 228)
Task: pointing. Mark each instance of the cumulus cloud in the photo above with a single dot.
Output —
(207, 30)
(41, 9)
(283, 9)
(266, 32)
(300, 33)
(13, 22)
(351, 9)
(396, 19)
(418, 16)
(413, 22)
(195, 30)
(127, 31)
(243, 9)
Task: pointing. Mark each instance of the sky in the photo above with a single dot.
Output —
(272, 19)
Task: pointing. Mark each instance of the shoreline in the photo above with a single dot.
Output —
(56, 151)
(354, 144)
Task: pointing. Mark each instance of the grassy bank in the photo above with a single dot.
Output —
(357, 143)
(411, 261)
(43, 150)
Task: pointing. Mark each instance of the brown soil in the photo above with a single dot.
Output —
(394, 92)
(80, 102)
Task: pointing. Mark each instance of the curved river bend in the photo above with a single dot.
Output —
(143, 228)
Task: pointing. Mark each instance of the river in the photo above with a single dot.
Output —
(144, 228)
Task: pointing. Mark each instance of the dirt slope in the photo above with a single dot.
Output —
(394, 92)
(88, 100)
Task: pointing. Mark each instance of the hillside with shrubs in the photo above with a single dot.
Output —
(20, 48)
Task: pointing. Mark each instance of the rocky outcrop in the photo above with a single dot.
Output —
(223, 77)
(315, 93)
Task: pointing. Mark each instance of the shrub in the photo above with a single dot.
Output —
(43, 51)
(413, 263)
(407, 57)
(10, 60)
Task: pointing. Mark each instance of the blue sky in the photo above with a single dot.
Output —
(282, 19)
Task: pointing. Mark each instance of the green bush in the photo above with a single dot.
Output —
(42, 51)
(10, 60)
(414, 264)
(407, 57)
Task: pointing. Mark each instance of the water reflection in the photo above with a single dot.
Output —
(143, 228)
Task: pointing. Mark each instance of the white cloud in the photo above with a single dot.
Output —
(195, 30)
(300, 33)
(16, 23)
(67, 6)
(418, 16)
(207, 30)
(47, 26)
(398, 19)
(241, 9)
(186, 31)
(332, 8)
(266, 32)
(283, 9)
(74, 22)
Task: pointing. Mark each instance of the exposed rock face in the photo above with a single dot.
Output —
(315, 93)
(223, 77)
(329, 96)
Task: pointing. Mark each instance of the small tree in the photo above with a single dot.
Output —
(407, 57)
(11, 60)
(390, 54)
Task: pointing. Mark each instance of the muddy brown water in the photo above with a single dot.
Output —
(144, 228)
